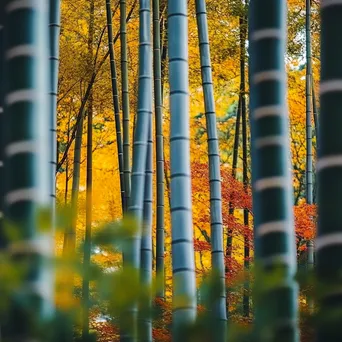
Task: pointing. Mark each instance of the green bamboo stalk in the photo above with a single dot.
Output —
(87, 240)
(183, 265)
(89, 184)
(329, 174)
(76, 175)
(164, 57)
(140, 142)
(276, 306)
(116, 105)
(308, 97)
(2, 131)
(310, 255)
(70, 236)
(146, 245)
(54, 30)
(229, 246)
(125, 101)
(314, 110)
(27, 175)
(236, 139)
(141, 131)
(144, 111)
(309, 104)
(163, 73)
(161, 29)
(216, 225)
(315, 116)
(66, 191)
(158, 105)
(243, 33)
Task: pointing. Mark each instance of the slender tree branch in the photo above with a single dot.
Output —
(88, 91)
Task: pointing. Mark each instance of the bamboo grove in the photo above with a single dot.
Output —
(163, 167)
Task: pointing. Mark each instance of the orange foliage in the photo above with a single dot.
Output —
(305, 220)
(201, 245)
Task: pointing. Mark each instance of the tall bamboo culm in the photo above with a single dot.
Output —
(70, 235)
(243, 34)
(54, 30)
(144, 110)
(309, 107)
(229, 245)
(164, 47)
(116, 105)
(217, 253)
(145, 333)
(2, 131)
(315, 111)
(125, 102)
(276, 307)
(140, 141)
(329, 173)
(308, 97)
(158, 107)
(89, 183)
(27, 174)
(183, 265)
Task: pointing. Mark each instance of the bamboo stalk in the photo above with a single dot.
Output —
(54, 30)
(27, 176)
(329, 174)
(116, 105)
(140, 142)
(229, 246)
(308, 97)
(158, 105)
(145, 332)
(243, 33)
(216, 225)
(309, 92)
(125, 102)
(183, 264)
(70, 235)
(2, 130)
(89, 185)
(276, 306)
